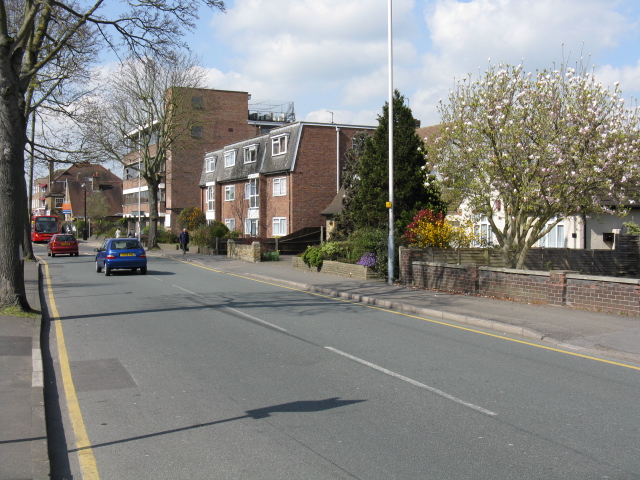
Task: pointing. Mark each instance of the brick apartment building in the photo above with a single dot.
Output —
(279, 182)
(217, 118)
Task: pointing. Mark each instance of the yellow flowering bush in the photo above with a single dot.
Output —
(429, 229)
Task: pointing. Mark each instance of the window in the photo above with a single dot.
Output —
(230, 158)
(483, 233)
(250, 154)
(251, 227)
(230, 223)
(210, 197)
(279, 186)
(229, 193)
(197, 103)
(279, 226)
(196, 132)
(555, 238)
(210, 161)
(279, 145)
(59, 202)
(251, 193)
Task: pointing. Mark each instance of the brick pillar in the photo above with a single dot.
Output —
(557, 292)
(406, 267)
(472, 283)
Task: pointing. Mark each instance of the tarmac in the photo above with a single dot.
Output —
(23, 440)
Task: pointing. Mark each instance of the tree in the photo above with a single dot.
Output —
(145, 110)
(366, 175)
(32, 37)
(546, 146)
(191, 218)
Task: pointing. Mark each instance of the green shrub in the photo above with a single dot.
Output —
(205, 235)
(335, 250)
(273, 256)
(312, 256)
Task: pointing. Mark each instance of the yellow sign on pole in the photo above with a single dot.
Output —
(389, 205)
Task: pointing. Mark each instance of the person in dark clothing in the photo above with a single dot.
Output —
(184, 240)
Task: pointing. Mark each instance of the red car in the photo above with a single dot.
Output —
(62, 243)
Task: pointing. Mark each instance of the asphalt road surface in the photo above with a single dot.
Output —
(190, 373)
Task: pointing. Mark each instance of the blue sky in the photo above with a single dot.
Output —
(331, 55)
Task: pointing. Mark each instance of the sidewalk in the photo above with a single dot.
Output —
(23, 434)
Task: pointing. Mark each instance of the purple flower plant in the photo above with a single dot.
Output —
(368, 260)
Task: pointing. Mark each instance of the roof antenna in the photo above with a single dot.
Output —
(331, 115)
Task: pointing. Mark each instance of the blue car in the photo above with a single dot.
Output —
(121, 253)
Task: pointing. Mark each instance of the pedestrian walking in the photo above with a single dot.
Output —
(131, 234)
(184, 240)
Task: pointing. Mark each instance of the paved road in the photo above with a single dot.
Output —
(192, 373)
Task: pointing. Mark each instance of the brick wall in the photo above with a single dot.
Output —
(595, 293)
(339, 268)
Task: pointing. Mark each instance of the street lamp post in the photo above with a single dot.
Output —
(391, 247)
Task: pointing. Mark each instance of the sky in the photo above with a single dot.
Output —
(332, 55)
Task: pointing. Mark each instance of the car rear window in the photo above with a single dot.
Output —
(64, 238)
(125, 245)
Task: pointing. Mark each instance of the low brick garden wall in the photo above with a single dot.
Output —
(338, 268)
(248, 253)
(561, 288)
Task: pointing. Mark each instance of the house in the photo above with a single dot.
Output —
(216, 118)
(64, 192)
(277, 183)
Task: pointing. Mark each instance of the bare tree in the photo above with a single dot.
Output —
(139, 118)
(32, 36)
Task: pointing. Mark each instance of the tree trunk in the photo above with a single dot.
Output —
(152, 242)
(12, 187)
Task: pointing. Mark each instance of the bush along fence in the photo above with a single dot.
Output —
(556, 287)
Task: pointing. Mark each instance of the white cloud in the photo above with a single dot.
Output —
(628, 76)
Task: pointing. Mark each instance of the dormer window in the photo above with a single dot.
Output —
(210, 161)
(279, 144)
(230, 158)
(250, 154)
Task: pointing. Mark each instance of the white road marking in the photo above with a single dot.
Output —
(413, 382)
(188, 291)
(255, 319)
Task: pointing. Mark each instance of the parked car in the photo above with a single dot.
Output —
(62, 243)
(121, 253)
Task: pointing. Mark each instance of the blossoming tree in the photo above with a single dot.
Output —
(546, 146)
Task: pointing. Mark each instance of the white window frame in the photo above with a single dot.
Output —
(279, 186)
(58, 202)
(229, 193)
(555, 238)
(483, 232)
(210, 198)
(229, 158)
(230, 223)
(211, 163)
(279, 226)
(279, 144)
(251, 193)
(248, 223)
(250, 154)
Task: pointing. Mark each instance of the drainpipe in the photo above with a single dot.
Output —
(337, 159)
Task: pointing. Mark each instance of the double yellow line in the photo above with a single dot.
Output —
(88, 466)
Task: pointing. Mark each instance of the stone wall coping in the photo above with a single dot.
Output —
(595, 278)
(440, 264)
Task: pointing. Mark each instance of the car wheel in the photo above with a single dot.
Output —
(98, 268)
(107, 271)
(48, 254)
(143, 270)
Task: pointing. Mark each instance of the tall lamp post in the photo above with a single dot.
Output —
(84, 230)
(391, 248)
